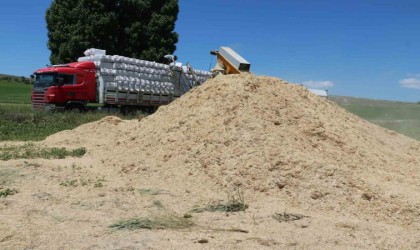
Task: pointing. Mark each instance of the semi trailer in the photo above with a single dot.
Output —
(112, 81)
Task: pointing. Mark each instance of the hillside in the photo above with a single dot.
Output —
(14, 78)
(307, 172)
(15, 92)
(402, 117)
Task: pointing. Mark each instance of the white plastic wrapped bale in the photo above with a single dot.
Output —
(133, 75)
(147, 86)
(155, 87)
(137, 85)
(126, 85)
(108, 78)
(107, 72)
(132, 86)
(84, 59)
(168, 88)
(111, 85)
(94, 52)
(104, 64)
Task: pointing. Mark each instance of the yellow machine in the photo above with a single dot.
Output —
(229, 62)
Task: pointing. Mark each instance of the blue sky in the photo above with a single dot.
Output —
(361, 48)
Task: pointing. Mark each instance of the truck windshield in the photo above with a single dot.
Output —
(44, 80)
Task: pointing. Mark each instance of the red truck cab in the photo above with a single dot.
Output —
(67, 86)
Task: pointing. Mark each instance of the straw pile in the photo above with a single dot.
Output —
(284, 147)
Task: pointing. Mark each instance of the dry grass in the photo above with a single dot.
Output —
(286, 217)
(150, 191)
(235, 203)
(157, 222)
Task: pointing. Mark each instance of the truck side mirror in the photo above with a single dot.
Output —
(32, 76)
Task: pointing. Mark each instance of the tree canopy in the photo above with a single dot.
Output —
(133, 28)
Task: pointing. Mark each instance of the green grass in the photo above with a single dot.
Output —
(20, 123)
(69, 183)
(158, 222)
(12, 91)
(6, 192)
(401, 117)
(30, 151)
(98, 183)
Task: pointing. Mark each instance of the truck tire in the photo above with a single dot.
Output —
(73, 107)
(128, 110)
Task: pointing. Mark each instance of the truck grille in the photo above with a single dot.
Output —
(38, 100)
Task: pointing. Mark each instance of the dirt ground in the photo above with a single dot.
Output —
(287, 151)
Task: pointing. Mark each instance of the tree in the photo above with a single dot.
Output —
(134, 28)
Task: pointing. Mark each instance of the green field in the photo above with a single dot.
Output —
(19, 122)
(399, 116)
(15, 92)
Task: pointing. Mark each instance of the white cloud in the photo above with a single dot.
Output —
(318, 84)
(414, 75)
(412, 82)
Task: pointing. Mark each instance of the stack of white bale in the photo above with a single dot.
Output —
(201, 76)
(134, 75)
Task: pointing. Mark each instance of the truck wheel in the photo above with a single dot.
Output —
(127, 110)
(76, 108)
